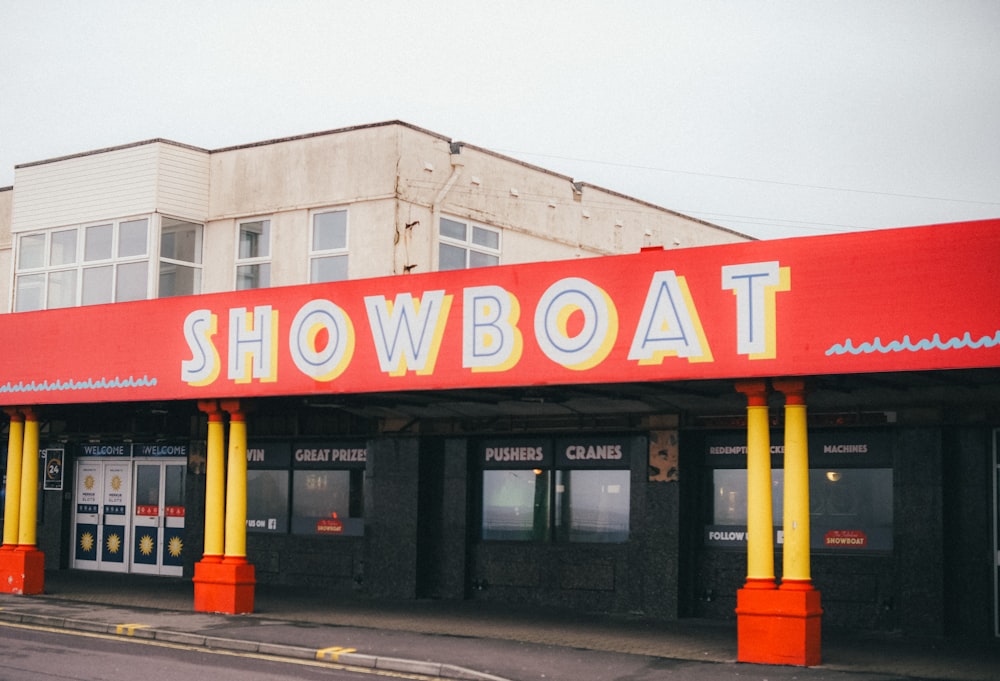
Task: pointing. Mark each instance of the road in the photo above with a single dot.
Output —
(41, 654)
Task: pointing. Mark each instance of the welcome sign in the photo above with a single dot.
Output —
(919, 298)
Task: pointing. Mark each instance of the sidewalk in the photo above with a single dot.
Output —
(439, 638)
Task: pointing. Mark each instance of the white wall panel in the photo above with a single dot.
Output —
(113, 183)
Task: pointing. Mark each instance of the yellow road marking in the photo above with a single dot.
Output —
(230, 653)
(129, 629)
(333, 653)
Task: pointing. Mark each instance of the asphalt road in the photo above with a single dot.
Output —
(29, 653)
(34, 654)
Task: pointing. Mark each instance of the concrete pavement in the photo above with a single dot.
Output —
(469, 639)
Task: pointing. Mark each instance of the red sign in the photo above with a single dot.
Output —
(173, 511)
(147, 510)
(329, 526)
(893, 300)
(845, 539)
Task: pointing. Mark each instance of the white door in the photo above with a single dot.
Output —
(158, 520)
(100, 527)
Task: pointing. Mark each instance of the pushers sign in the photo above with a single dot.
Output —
(807, 306)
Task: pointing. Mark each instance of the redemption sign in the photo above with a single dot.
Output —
(891, 300)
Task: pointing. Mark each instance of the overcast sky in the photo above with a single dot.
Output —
(772, 118)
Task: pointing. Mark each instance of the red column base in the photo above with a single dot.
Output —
(22, 571)
(224, 587)
(779, 626)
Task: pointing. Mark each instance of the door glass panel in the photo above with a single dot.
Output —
(147, 490)
(173, 495)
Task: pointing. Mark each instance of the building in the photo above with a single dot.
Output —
(561, 430)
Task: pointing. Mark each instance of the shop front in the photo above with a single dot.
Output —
(510, 451)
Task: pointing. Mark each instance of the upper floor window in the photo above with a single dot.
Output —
(462, 245)
(328, 247)
(180, 258)
(253, 262)
(107, 262)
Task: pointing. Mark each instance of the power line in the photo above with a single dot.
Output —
(751, 179)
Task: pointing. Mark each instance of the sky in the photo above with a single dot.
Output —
(774, 119)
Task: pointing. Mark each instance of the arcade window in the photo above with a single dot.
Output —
(253, 260)
(464, 245)
(850, 492)
(328, 247)
(306, 488)
(106, 262)
(574, 491)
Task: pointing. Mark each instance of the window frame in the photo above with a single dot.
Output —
(725, 451)
(257, 261)
(296, 462)
(548, 460)
(318, 254)
(165, 262)
(112, 261)
(468, 244)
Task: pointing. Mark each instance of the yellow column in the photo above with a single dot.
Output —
(28, 516)
(760, 523)
(236, 487)
(12, 500)
(215, 482)
(795, 555)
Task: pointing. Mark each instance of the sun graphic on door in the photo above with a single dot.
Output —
(116, 483)
(113, 543)
(88, 482)
(146, 545)
(175, 546)
(87, 542)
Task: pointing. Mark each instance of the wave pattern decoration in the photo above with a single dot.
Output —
(906, 345)
(102, 383)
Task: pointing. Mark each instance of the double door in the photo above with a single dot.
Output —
(129, 516)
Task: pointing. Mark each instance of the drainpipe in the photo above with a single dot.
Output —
(457, 163)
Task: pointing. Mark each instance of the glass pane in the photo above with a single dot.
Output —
(851, 509)
(333, 268)
(452, 229)
(30, 289)
(450, 258)
(330, 231)
(486, 237)
(62, 289)
(592, 505)
(729, 495)
(63, 247)
(147, 485)
(253, 276)
(255, 239)
(477, 259)
(173, 492)
(178, 280)
(180, 240)
(328, 502)
(96, 285)
(516, 504)
(267, 501)
(132, 238)
(97, 243)
(31, 252)
(131, 283)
